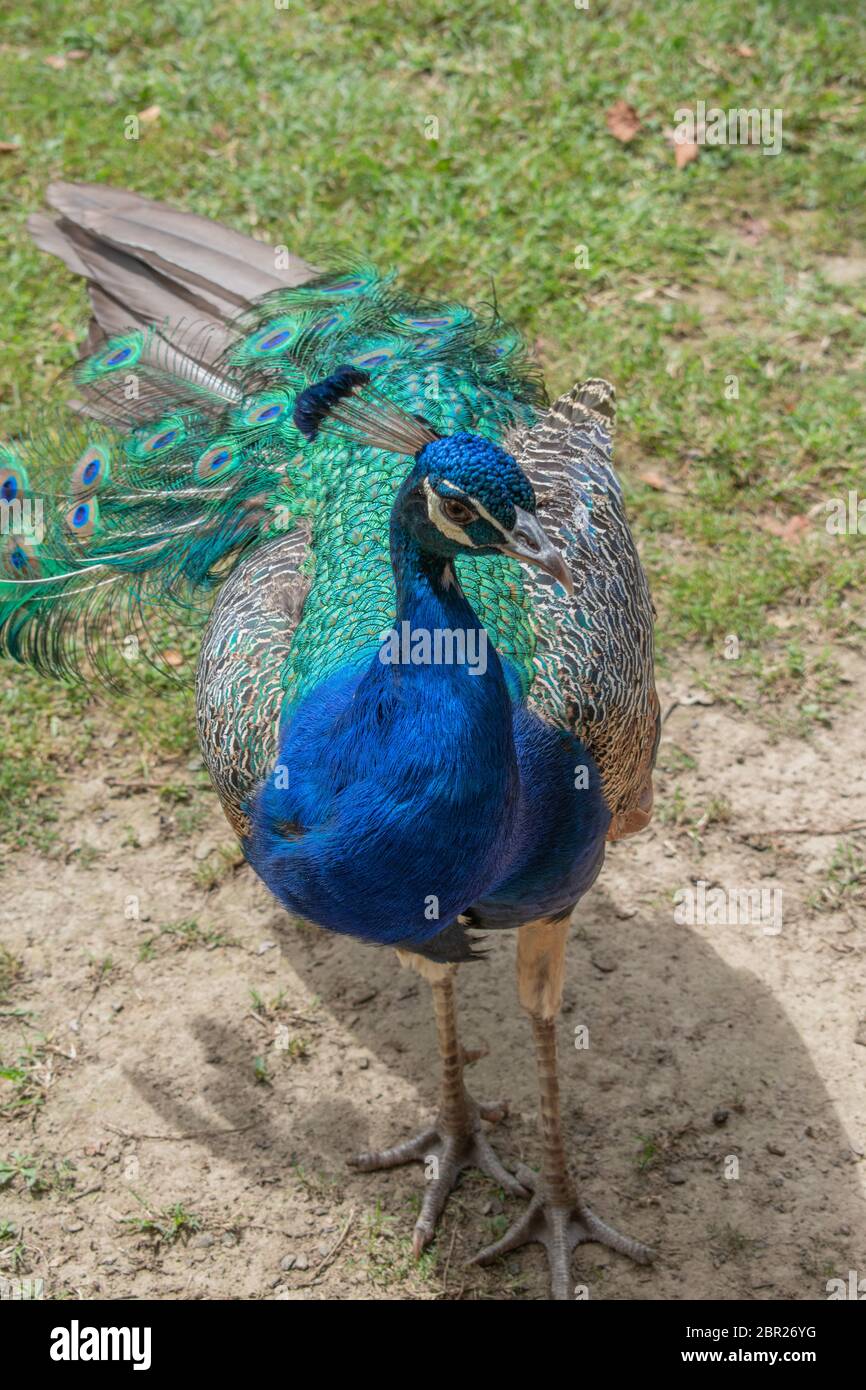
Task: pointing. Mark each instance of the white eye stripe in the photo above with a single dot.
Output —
(450, 528)
(440, 520)
(484, 513)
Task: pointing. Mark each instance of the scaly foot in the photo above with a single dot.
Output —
(446, 1151)
(560, 1229)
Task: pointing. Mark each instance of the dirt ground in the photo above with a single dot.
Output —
(192, 1136)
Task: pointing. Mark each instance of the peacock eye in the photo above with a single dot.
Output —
(457, 511)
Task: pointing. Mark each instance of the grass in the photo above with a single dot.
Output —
(217, 867)
(844, 883)
(729, 1243)
(710, 295)
(22, 1166)
(167, 1227)
(36, 1175)
(182, 936)
(385, 1256)
(26, 1079)
(14, 1254)
(11, 970)
(647, 1154)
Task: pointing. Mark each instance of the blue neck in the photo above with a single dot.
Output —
(428, 594)
(450, 721)
(403, 785)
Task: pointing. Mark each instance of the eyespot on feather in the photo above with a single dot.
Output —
(92, 470)
(276, 337)
(157, 439)
(13, 483)
(19, 559)
(216, 461)
(373, 357)
(118, 354)
(349, 285)
(435, 321)
(82, 519)
(262, 410)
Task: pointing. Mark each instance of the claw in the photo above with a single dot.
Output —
(560, 1230)
(452, 1154)
(410, 1149)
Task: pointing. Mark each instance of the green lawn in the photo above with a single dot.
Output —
(308, 125)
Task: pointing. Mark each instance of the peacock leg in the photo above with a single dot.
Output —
(556, 1217)
(456, 1140)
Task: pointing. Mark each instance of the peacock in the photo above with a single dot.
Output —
(425, 691)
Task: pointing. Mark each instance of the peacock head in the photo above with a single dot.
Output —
(466, 495)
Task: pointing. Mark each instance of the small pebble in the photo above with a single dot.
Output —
(288, 1262)
(604, 961)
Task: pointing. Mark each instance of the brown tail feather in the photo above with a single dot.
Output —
(146, 262)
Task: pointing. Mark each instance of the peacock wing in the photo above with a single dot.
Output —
(593, 661)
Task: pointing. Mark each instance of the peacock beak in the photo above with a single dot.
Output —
(528, 541)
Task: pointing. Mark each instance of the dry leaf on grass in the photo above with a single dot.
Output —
(655, 480)
(623, 122)
(150, 114)
(790, 530)
(7, 147)
(77, 55)
(172, 657)
(751, 228)
(685, 152)
(56, 61)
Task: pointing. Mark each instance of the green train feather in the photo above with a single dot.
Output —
(108, 525)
